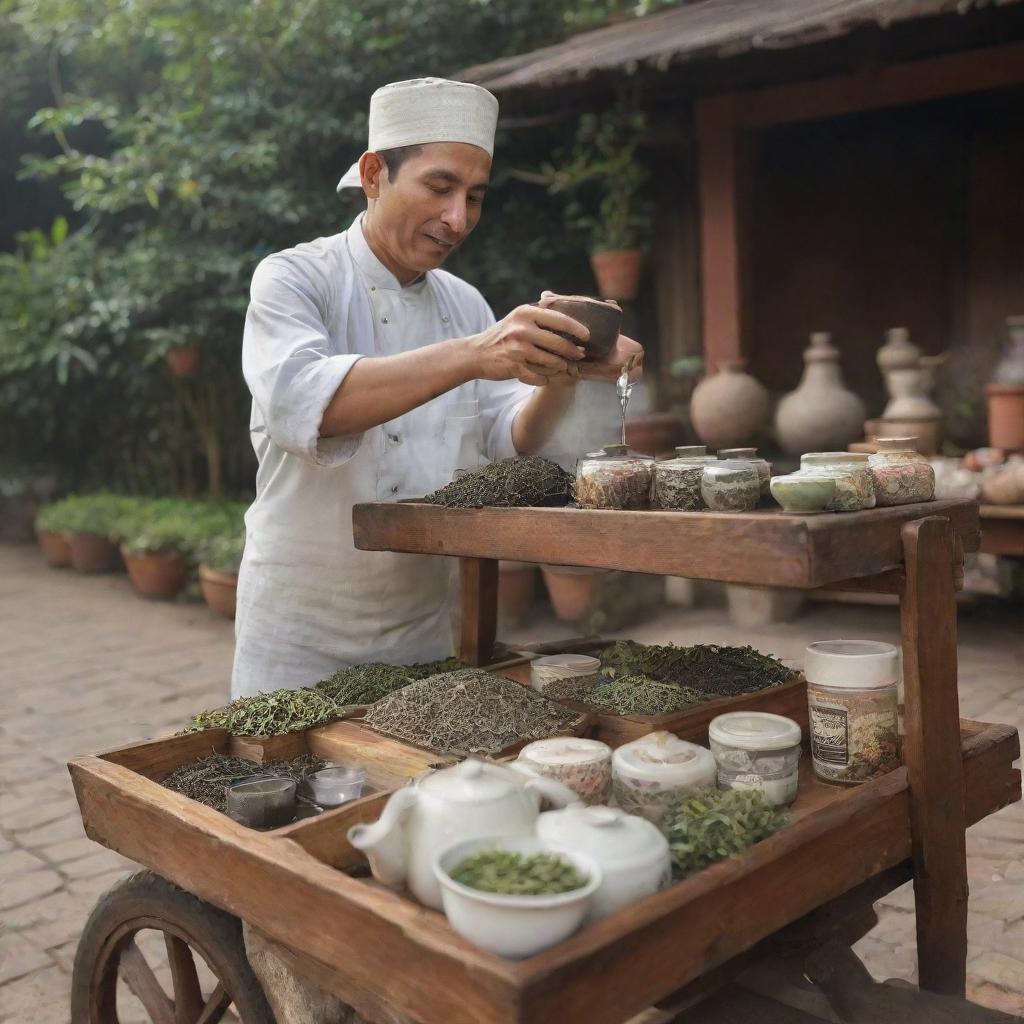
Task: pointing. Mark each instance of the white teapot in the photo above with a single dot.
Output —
(467, 801)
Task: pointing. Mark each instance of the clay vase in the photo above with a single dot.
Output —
(219, 590)
(573, 590)
(821, 415)
(729, 408)
(55, 548)
(155, 573)
(183, 361)
(898, 352)
(1006, 416)
(92, 552)
(618, 273)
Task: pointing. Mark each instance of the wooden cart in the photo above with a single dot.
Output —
(306, 889)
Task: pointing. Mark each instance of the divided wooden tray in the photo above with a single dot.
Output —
(297, 884)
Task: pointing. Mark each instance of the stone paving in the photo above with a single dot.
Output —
(87, 666)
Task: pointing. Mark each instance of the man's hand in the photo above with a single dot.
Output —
(525, 346)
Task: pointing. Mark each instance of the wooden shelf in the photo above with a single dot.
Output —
(767, 547)
(295, 885)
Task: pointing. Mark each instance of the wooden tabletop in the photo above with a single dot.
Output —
(767, 546)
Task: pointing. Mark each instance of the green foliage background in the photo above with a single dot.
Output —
(189, 138)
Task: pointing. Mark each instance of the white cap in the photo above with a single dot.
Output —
(855, 664)
(754, 730)
(425, 110)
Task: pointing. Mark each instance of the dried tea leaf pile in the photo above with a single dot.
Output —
(714, 670)
(517, 482)
(269, 714)
(367, 684)
(467, 712)
(641, 695)
(713, 824)
(207, 780)
(512, 874)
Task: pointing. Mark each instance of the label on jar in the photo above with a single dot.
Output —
(854, 733)
(777, 790)
(830, 734)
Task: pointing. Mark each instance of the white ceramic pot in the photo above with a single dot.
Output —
(585, 766)
(632, 853)
(513, 926)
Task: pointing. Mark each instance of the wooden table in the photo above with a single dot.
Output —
(304, 886)
(1002, 530)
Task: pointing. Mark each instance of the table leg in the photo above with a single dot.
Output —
(932, 754)
(478, 578)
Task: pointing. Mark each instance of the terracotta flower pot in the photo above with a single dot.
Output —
(617, 273)
(219, 590)
(183, 360)
(573, 590)
(517, 585)
(92, 552)
(155, 573)
(655, 433)
(1006, 416)
(55, 548)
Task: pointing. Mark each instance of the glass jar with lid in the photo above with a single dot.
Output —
(614, 477)
(901, 474)
(763, 466)
(677, 481)
(730, 486)
(855, 489)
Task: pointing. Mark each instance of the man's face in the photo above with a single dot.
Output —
(431, 206)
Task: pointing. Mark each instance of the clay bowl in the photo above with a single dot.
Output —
(602, 318)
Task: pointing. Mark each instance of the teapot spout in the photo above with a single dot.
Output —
(383, 842)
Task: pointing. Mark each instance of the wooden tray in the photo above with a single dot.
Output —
(296, 885)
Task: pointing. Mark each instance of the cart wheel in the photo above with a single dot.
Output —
(108, 952)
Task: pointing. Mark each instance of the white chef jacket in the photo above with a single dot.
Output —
(308, 601)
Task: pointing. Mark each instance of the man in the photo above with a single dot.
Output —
(374, 376)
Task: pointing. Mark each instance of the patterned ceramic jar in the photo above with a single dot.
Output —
(614, 477)
(730, 487)
(677, 481)
(900, 473)
(763, 466)
(855, 489)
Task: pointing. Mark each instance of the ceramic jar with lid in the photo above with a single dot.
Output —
(901, 475)
(585, 766)
(651, 773)
(632, 853)
(749, 455)
(855, 490)
(730, 487)
(852, 698)
(677, 481)
(614, 477)
(757, 750)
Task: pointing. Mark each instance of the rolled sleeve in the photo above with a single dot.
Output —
(291, 365)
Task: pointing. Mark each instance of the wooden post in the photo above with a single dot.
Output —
(478, 579)
(932, 754)
(721, 222)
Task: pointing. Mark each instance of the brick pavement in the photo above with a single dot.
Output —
(87, 666)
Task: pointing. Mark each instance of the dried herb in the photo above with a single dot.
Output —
(269, 714)
(517, 482)
(207, 780)
(713, 824)
(512, 874)
(573, 688)
(714, 670)
(467, 712)
(367, 684)
(641, 695)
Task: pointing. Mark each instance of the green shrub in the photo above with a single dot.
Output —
(223, 553)
(87, 513)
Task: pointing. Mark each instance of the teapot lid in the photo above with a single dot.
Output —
(470, 782)
(605, 833)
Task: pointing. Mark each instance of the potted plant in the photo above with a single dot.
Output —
(53, 542)
(220, 558)
(88, 522)
(155, 544)
(609, 203)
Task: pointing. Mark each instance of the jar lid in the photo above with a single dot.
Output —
(664, 757)
(754, 730)
(896, 444)
(737, 453)
(559, 750)
(824, 458)
(569, 664)
(854, 664)
(691, 449)
(607, 834)
(618, 451)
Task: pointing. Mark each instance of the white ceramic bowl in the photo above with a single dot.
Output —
(513, 926)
